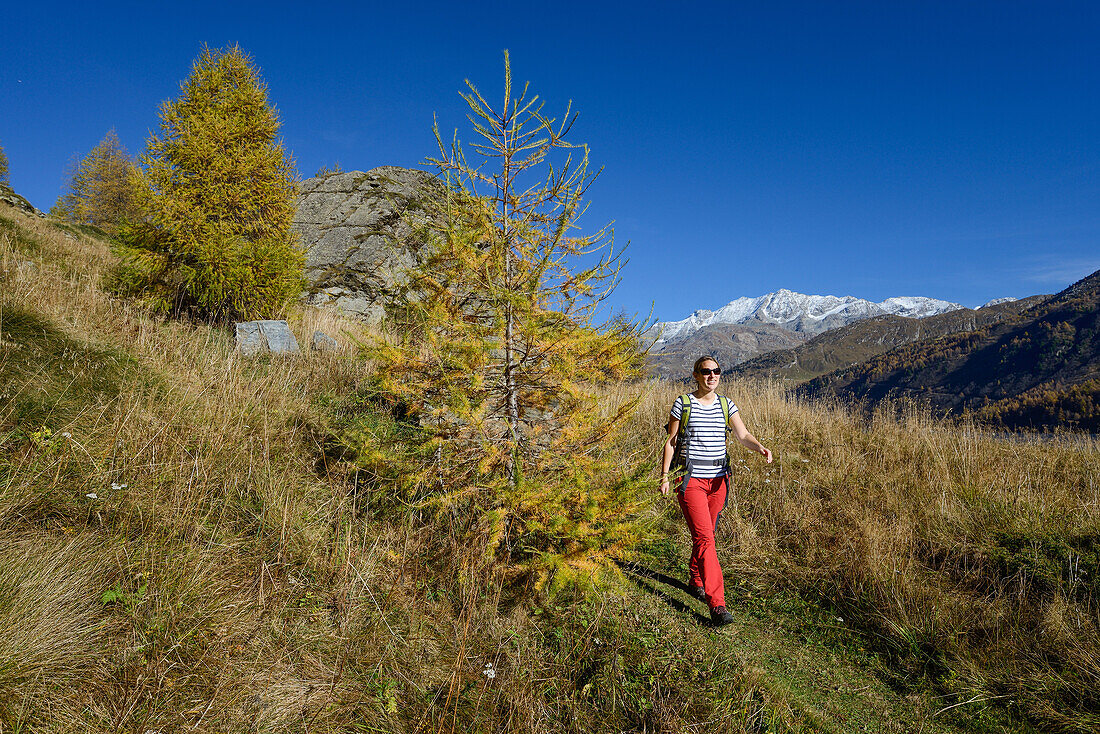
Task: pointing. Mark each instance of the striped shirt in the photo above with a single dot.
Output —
(705, 439)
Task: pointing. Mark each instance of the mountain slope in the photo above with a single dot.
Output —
(730, 344)
(747, 327)
(858, 342)
(185, 547)
(802, 313)
(1040, 368)
(178, 553)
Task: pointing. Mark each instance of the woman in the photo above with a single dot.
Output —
(703, 489)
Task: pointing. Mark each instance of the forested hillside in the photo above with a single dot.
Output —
(1039, 369)
(858, 342)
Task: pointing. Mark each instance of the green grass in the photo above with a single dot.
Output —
(20, 240)
(833, 674)
(48, 377)
(87, 230)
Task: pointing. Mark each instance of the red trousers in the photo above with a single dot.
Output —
(701, 501)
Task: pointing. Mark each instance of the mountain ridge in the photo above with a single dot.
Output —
(802, 312)
(861, 340)
(1037, 369)
(747, 327)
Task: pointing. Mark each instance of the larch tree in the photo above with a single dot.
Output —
(3, 168)
(101, 188)
(217, 199)
(502, 349)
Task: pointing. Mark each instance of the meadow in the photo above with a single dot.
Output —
(188, 545)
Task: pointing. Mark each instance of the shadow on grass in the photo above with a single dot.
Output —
(649, 579)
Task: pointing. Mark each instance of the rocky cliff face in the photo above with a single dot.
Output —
(359, 232)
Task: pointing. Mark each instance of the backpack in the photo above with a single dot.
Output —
(678, 459)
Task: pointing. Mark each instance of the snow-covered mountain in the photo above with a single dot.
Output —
(799, 312)
(997, 302)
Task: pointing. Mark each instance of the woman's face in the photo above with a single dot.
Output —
(708, 382)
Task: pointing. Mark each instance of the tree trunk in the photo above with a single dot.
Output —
(510, 392)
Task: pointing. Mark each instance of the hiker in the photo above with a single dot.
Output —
(697, 445)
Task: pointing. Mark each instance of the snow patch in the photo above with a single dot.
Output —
(801, 312)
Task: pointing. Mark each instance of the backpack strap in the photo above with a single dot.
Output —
(725, 410)
(685, 414)
(726, 414)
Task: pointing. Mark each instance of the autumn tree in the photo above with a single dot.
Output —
(501, 349)
(216, 198)
(101, 188)
(3, 168)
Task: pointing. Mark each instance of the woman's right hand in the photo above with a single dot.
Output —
(664, 486)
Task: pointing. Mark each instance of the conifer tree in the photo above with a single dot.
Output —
(498, 349)
(3, 168)
(217, 201)
(101, 188)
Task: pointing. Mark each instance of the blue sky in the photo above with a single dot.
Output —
(872, 149)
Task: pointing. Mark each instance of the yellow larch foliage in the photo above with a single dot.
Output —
(217, 196)
(501, 345)
(101, 190)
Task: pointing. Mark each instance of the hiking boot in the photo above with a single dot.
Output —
(719, 616)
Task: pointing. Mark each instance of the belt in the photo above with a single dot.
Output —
(708, 462)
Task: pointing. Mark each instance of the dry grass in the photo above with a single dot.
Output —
(51, 634)
(212, 510)
(230, 574)
(964, 555)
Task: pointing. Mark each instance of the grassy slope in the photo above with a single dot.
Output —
(181, 549)
(966, 562)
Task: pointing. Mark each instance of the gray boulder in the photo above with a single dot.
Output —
(322, 342)
(262, 337)
(359, 233)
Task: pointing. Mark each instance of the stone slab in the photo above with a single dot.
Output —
(265, 337)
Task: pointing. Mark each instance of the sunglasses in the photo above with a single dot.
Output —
(707, 371)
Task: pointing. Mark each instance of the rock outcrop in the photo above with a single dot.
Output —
(322, 342)
(8, 196)
(360, 234)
